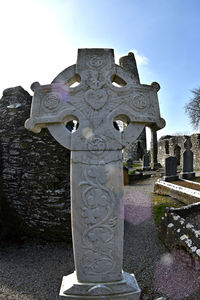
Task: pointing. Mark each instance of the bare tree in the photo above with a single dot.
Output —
(192, 109)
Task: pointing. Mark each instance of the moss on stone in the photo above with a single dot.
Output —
(160, 202)
(24, 145)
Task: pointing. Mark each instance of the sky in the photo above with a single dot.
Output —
(40, 38)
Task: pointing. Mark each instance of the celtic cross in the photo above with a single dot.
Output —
(96, 163)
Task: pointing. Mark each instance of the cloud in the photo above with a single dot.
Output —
(140, 58)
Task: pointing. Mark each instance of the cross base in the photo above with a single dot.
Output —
(126, 289)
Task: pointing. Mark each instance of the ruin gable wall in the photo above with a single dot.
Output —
(174, 146)
(34, 174)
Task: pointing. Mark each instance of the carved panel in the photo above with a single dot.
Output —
(96, 145)
(140, 102)
(99, 222)
(96, 61)
(51, 101)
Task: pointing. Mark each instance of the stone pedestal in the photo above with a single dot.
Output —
(124, 289)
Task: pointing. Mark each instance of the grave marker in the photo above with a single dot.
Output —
(96, 163)
(146, 161)
(188, 172)
(171, 169)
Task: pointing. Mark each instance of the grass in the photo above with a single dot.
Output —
(135, 165)
(160, 203)
(131, 172)
(158, 212)
(196, 179)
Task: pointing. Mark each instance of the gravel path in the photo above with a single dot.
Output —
(33, 270)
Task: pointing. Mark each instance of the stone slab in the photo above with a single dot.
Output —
(185, 195)
(126, 289)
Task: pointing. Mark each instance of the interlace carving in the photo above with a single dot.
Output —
(96, 61)
(139, 102)
(97, 212)
(96, 145)
(51, 101)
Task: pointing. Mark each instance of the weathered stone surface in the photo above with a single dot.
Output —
(34, 174)
(136, 149)
(178, 231)
(128, 63)
(96, 162)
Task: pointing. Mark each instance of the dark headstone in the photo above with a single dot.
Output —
(146, 162)
(129, 163)
(171, 169)
(187, 161)
(154, 150)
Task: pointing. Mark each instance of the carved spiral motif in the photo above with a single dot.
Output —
(96, 61)
(51, 101)
(96, 145)
(140, 102)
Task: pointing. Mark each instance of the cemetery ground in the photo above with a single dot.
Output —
(33, 269)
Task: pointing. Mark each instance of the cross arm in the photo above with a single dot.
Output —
(50, 105)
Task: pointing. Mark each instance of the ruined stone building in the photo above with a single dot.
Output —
(34, 174)
(169, 145)
(136, 150)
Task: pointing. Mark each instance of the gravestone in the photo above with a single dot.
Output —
(129, 163)
(154, 149)
(96, 163)
(187, 161)
(146, 162)
(171, 169)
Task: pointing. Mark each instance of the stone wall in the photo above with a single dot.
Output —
(136, 150)
(34, 175)
(174, 146)
(179, 229)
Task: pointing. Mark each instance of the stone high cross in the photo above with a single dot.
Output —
(96, 163)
